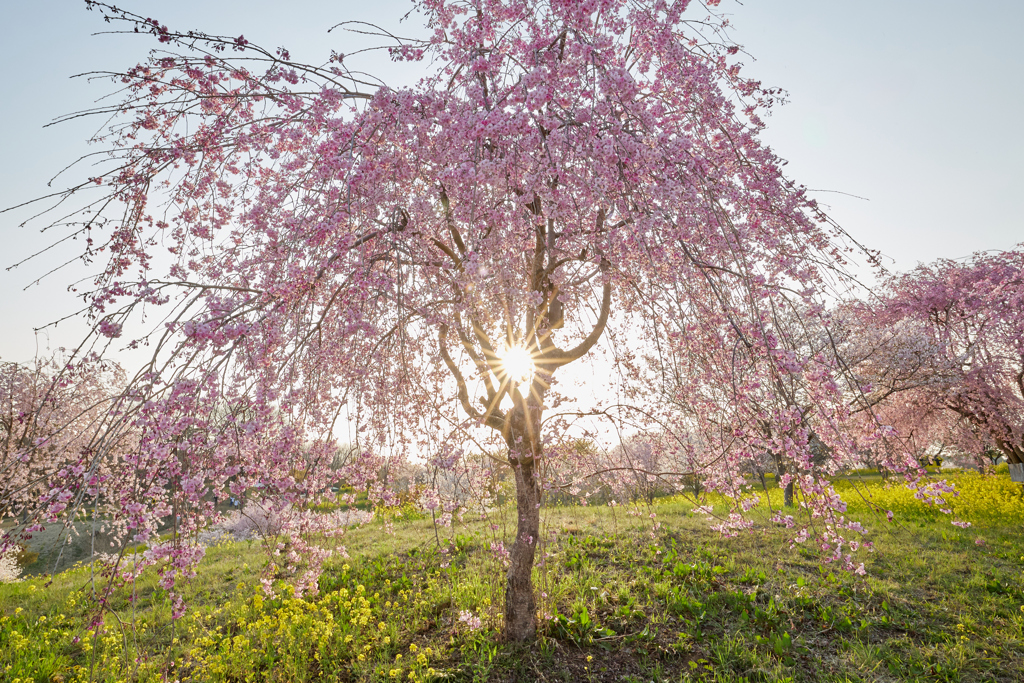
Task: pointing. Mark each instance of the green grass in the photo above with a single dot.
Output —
(620, 601)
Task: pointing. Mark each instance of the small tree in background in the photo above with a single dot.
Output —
(55, 417)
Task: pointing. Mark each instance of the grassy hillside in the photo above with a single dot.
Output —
(621, 601)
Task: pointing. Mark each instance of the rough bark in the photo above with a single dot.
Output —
(520, 602)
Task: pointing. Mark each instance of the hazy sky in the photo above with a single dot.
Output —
(912, 105)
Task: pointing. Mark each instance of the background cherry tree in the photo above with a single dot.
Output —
(314, 252)
(952, 332)
(55, 417)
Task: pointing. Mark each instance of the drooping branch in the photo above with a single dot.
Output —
(493, 417)
(556, 357)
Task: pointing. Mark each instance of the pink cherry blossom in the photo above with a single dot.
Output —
(574, 180)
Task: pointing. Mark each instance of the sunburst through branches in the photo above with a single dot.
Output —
(517, 363)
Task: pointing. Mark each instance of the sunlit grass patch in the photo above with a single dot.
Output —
(618, 601)
(979, 499)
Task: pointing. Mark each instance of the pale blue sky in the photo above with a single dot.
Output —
(914, 105)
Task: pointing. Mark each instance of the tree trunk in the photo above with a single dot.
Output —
(780, 469)
(1014, 454)
(520, 602)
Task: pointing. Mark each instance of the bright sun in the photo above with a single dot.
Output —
(517, 363)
